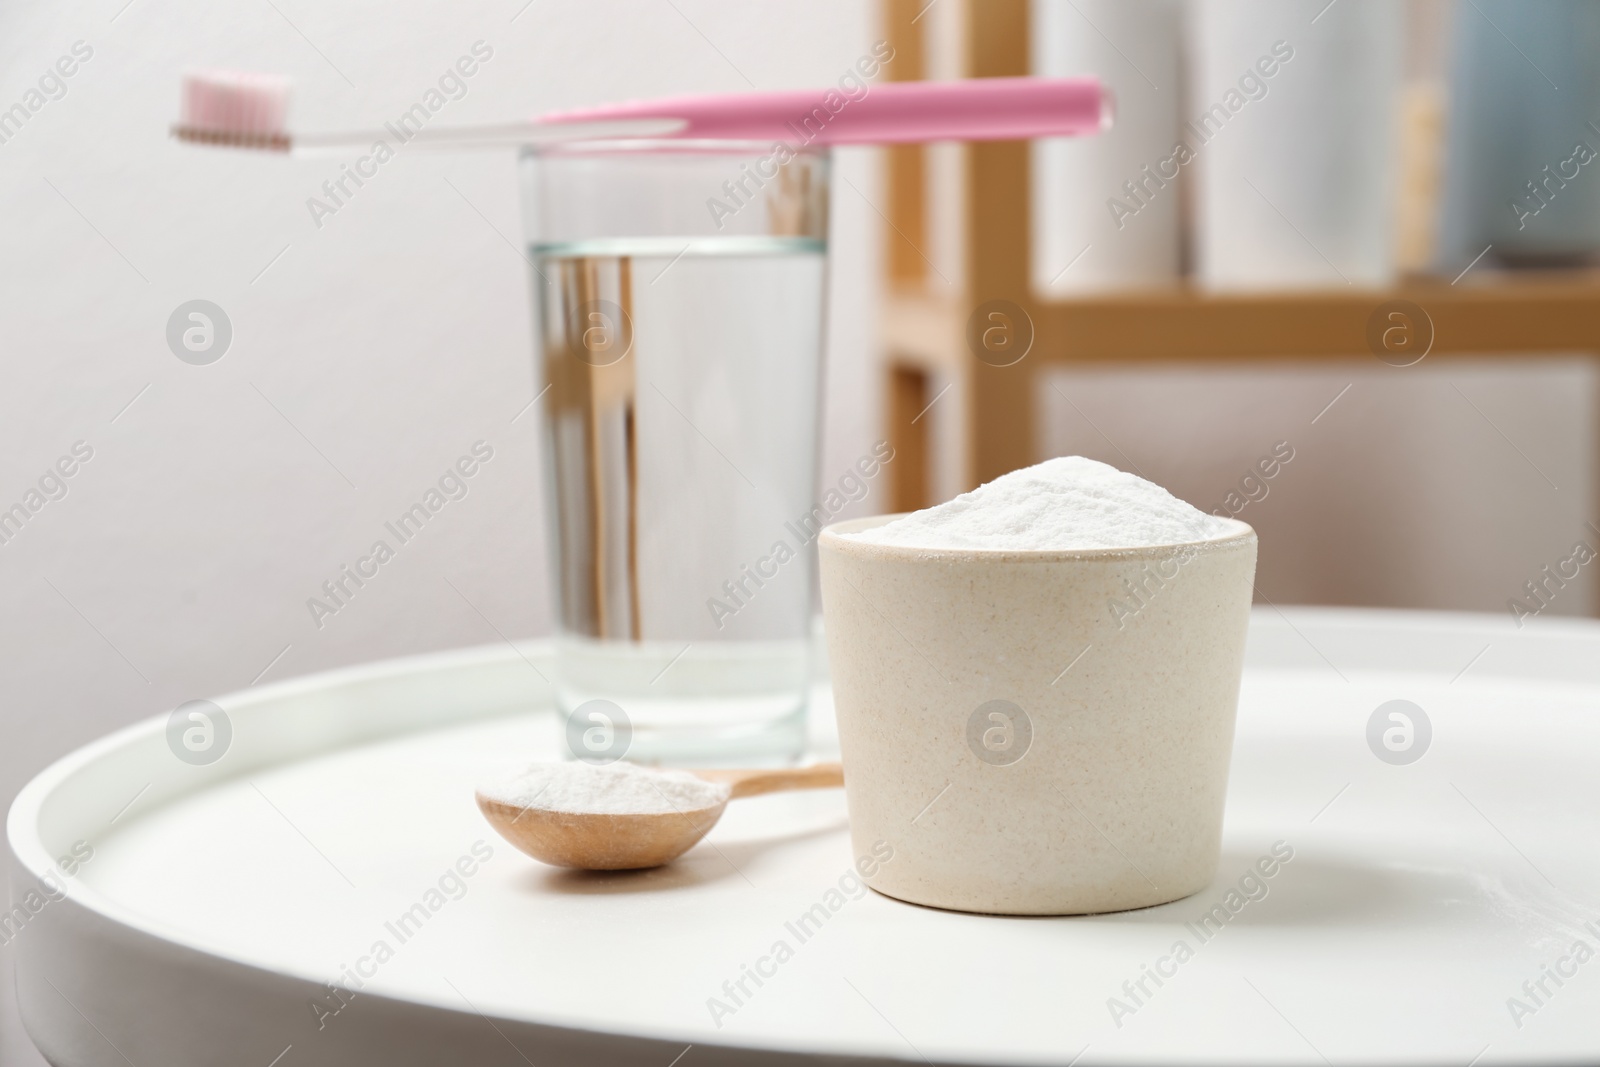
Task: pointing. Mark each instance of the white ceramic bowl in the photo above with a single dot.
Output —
(1037, 733)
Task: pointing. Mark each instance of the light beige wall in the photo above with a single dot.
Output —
(1435, 486)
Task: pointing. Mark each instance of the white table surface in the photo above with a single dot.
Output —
(1419, 898)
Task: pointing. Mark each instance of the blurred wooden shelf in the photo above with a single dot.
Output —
(1496, 314)
(1513, 316)
(931, 346)
(927, 340)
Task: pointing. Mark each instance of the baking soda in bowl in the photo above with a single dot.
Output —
(1060, 504)
(1036, 685)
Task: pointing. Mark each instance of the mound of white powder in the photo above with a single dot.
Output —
(1058, 505)
(608, 789)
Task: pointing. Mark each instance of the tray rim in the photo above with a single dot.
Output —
(1273, 632)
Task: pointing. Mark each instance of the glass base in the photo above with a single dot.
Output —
(686, 704)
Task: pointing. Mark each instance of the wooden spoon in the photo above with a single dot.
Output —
(596, 841)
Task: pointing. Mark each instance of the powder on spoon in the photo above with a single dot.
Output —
(1061, 504)
(608, 789)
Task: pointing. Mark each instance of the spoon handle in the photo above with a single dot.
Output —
(750, 783)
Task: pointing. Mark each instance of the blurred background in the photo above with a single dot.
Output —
(1357, 234)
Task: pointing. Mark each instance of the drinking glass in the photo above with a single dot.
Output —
(679, 292)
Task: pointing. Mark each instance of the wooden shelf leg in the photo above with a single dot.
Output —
(910, 390)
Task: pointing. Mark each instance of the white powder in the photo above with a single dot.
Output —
(610, 789)
(1061, 504)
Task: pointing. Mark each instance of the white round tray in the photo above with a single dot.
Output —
(1430, 912)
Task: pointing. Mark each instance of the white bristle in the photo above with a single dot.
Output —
(234, 104)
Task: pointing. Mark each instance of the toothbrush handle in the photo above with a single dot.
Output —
(977, 109)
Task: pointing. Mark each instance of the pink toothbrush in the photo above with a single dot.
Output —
(249, 111)
(978, 109)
